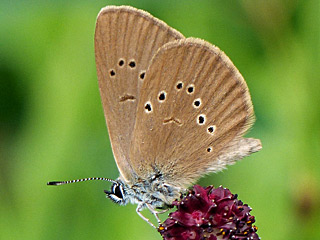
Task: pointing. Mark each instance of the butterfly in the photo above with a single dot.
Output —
(176, 108)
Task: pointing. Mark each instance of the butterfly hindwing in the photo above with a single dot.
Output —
(193, 104)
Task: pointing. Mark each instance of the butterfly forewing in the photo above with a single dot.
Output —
(193, 104)
(125, 41)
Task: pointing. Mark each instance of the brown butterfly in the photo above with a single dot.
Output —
(176, 108)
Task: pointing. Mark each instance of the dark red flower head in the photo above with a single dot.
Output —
(209, 213)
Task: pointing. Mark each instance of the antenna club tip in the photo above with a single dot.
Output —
(54, 183)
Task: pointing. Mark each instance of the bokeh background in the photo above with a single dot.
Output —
(52, 125)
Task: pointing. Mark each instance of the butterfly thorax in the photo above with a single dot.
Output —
(153, 191)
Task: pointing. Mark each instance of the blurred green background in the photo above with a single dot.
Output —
(52, 125)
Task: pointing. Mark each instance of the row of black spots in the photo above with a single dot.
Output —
(209, 149)
(189, 89)
(201, 119)
(148, 107)
(162, 96)
(121, 62)
(112, 73)
(142, 75)
(179, 85)
(197, 103)
(211, 129)
(131, 64)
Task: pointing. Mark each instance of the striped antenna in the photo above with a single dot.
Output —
(57, 183)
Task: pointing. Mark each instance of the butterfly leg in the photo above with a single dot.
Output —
(138, 210)
(155, 212)
(163, 211)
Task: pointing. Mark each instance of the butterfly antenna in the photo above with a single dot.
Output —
(57, 183)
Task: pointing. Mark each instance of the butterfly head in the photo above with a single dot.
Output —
(118, 193)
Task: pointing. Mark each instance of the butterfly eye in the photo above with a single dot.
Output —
(201, 119)
(197, 103)
(162, 96)
(148, 107)
(117, 190)
(211, 129)
(117, 194)
(209, 149)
